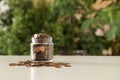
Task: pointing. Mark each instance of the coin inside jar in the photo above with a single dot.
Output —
(41, 47)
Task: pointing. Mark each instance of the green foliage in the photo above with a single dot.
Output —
(69, 22)
(27, 20)
(60, 25)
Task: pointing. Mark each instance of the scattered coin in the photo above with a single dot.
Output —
(40, 64)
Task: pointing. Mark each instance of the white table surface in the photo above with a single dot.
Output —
(83, 68)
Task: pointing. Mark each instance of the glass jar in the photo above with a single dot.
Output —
(42, 47)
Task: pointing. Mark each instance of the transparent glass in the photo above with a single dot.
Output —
(42, 49)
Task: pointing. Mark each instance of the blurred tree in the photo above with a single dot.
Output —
(91, 25)
(60, 25)
(27, 20)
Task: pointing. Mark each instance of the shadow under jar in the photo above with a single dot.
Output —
(42, 47)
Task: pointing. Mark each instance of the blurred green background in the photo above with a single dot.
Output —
(78, 27)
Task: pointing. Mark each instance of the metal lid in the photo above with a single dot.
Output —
(41, 38)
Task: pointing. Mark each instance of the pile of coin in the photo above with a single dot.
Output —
(40, 64)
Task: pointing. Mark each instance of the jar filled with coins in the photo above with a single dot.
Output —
(42, 47)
